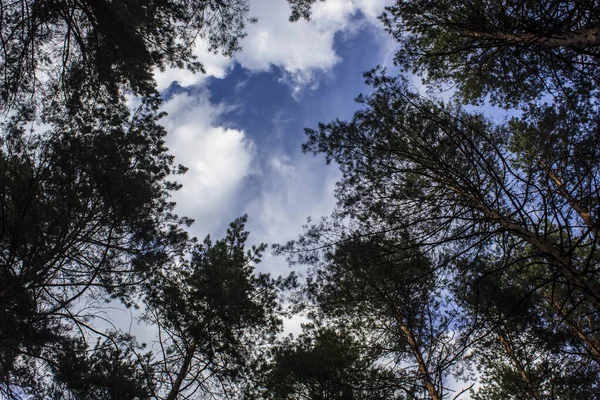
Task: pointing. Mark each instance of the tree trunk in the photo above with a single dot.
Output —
(425, 376)
(519, 366)
(183, 371)
(582, 211)
(568, 271)
(422, 365)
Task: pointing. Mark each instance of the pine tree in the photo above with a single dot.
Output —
(461, 186)
(85, 210)
(215, 315)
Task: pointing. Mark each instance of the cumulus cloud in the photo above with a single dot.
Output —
(372, 8)
(294, 47)
(292, 190)
(304, 50)
(215, 65)
(218, 159)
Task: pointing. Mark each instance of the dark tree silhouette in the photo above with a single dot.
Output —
(59, 48)
(85, 214)
(214, 315)
(326, 363)
(463, 187)
(384, 290)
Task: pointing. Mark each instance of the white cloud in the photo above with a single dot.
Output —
(293, 325)
(372, 8)
(303, 50)
(215, 65)
(297, 190)
(292, 190)
(218, 160)
(295, 47)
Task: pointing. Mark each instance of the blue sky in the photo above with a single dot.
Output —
(239, 127)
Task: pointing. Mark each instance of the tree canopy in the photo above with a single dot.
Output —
(506, 212)
(214, 313)
(488, 207)
(511, 52)
(85, 181)
(58, 48)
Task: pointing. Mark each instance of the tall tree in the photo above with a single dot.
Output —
(85, 213)
(511, 51)
(459, 184)
(54, 48)
(428, 165)
(214, 316)
(326, 363)
(85, 217)
(381, 287)
(532, 342)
